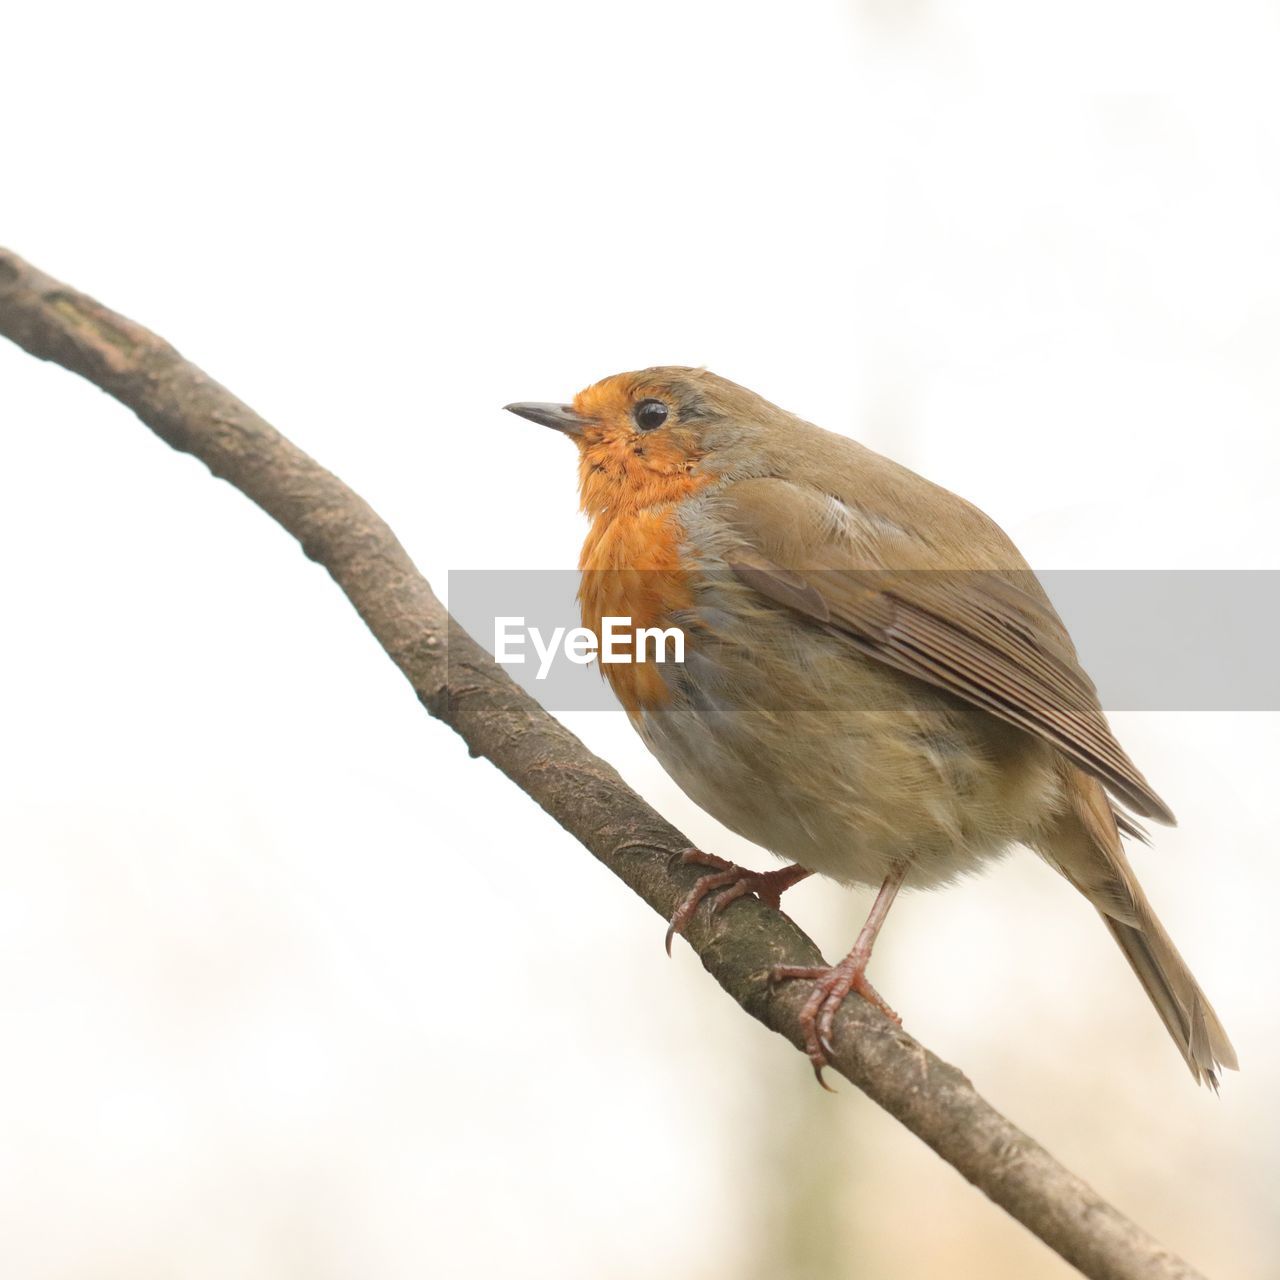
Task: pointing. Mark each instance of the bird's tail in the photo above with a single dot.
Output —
(1184, 1009)
(1084, 845)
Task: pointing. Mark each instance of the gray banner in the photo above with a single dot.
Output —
(1151, 640)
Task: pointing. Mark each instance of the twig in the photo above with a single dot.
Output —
(458, 682)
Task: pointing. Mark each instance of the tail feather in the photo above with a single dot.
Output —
(1183, 1007)
(1084, 845)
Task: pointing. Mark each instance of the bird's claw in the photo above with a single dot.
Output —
(831, 986)
(730, 882)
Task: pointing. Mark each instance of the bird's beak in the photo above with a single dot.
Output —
(560, 416)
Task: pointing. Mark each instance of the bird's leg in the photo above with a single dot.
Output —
(730, 882)
(831, 984)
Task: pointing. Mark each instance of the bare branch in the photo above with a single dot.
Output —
(586, 796)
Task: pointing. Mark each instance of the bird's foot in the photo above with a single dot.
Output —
(729, 882)
(831, 985)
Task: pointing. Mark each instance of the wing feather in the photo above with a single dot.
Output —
(986, 634)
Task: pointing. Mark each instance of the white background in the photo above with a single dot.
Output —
(292, 987)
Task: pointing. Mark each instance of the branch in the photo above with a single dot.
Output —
(460, 684)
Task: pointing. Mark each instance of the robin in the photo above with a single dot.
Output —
(875, 686)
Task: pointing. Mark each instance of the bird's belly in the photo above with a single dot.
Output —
(834, 761)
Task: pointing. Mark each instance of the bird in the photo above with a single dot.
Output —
(875, 686)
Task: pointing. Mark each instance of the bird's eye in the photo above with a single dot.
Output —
(650, 414)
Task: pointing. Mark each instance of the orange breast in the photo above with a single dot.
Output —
(632, 567)
(632, 564)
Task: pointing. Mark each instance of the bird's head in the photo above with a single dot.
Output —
(652, 437)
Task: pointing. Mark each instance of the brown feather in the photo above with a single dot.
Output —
(969, 630)
(1084, 844)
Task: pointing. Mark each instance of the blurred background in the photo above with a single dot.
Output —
(293, 988)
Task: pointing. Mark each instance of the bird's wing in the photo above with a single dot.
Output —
(986, 634)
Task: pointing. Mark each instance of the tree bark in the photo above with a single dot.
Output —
(457, 681)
